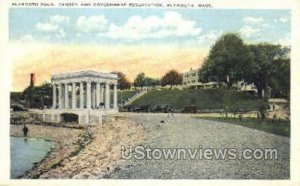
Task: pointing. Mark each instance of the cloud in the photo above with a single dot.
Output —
(285, 41)
(26, 38)
(153, 27)
(253, 26)
(253, 20)
(54, 25)
(47, 27)
(283, 19)
(249, 31)
(60, 34)
(170, 24)
(58, 19)
(92, 24)
(210, 37)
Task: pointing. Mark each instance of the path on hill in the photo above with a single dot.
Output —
(135, 97)
(186, 131)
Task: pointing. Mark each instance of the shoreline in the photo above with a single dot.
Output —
(92, 152)
(48, 133)
(18, 136)
(35, 162)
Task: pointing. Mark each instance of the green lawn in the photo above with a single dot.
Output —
(279, 127)
(125, 94)
(202, 99)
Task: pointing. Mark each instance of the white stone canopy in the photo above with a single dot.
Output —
(84, 90)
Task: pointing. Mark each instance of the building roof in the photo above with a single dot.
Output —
(86, 73)
(191, 71)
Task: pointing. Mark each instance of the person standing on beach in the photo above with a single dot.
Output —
(25, 130)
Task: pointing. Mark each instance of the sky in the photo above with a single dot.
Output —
(154, 41)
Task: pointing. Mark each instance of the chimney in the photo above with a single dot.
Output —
(32, 79)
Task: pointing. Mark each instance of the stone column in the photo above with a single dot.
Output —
(92, 96)
(60, 96)
(54, 96)
(74, 95)
(66, 96)
(95, 96)
(88, 95)
(81, 96)
(107, 96)
(101, 93)
(115, 97)
(98, 94)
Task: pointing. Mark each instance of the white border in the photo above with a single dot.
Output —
(5, 83)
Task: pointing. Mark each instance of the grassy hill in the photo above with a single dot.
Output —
(125, 94)
(201, 99)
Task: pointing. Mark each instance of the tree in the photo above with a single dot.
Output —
(38, 96)
(225, 60)
(139, 81)
(123, 82)
(171, 78)
(280, 82)
(265, 65)
(265, 62)
(281, 73)
(151, 82)
(142, 80)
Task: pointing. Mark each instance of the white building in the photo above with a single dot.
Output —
(243, 86)
(191, 80)
(191, 77)
(83, 97)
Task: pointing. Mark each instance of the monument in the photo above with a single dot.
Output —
(84, 97)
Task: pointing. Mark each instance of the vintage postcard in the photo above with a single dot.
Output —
(129, 90)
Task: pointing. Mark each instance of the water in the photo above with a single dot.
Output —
(25, 152)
